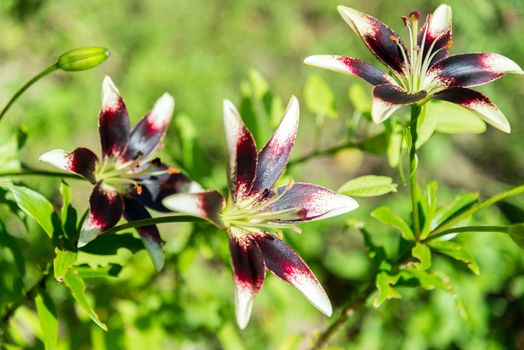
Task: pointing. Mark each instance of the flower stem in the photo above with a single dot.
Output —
(26, 86)
(503, 229)
(153, 221)
(35, 172)
(415, 113)
(488, 202)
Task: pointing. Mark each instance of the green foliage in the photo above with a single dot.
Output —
(386, 216)
(368, 186)
(46, 310)
(318, 97)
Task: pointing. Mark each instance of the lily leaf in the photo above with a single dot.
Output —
(109, 271)
(516, 232)
(387, 217)
(368, 186)
(318, 97)
(459, 204)
(359, 98)
(423, 254)
(63, 261)
(73, 280)
(108, 244)
(35, 205)
(457, 252)
(46, 311)
(385, 283)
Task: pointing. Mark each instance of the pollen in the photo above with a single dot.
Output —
(448, 44)
(173, 170)
(393, 38)
(138, 189)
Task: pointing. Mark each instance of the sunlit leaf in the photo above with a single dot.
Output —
(457, 252)
(359, 98)
(459, 204)
(73, 280)
(35, 205)
(387, 217)
(516, 232)
(46, 311)
(385, 291)
(423, 254)
(64, 259)
(108, 244)
(368, 186)
(108, 271)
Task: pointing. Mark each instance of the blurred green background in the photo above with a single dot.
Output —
(202, 52)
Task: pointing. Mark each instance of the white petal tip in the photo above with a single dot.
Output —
(86, 236)
(110, 93)
(162, 111)
(243, 307)
(56, 157)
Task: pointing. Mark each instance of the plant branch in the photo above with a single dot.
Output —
(26, 86)
(488, 202)
(323, 152)
(153, 221)
(36, 172)
(503, 229)
(413, 186)
(348, 312)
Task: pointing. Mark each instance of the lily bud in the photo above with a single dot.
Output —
(82, 59)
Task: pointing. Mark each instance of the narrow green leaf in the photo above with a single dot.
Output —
(66, 200)
(109, 271)
(430, 207)
(368, 186)
(423, 254)
(459, 204)
(64, 259)
(73, 280)
(318, 97)
(394, 150)
(516, 232)
(108, 244)
(457, 252)
(387, 217)
(35, 205)
(46, 311)
(385, 283)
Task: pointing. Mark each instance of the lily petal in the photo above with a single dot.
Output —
(286, 264)
(477, 102)
(436, 31)
(250, 271)
(472, 69)
(387, 99)
(350, 66)
(149, 132)
(113, 121)
(242, 153)
(274, 156)
(205, 205)
(105, 209)
(377, 36)
(312, 202)
(134, 211)
(81, 161)
(156, 188)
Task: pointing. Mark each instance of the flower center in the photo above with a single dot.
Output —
(254, 214)
(417, 60)
(122, 176)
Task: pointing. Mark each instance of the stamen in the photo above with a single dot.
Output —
(138, 189)
(414, 15)
(448, 44)
(173, 170)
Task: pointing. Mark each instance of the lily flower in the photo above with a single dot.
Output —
(255, 211)
(423, 70)
(127, 178)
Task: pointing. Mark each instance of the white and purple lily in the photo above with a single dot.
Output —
(254, 208)
(128, 178)
(422, 71)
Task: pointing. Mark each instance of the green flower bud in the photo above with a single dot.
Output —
(82, 59)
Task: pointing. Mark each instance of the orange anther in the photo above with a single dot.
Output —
(394, 38)
(172, 170)
(448, 44)
(138, 189)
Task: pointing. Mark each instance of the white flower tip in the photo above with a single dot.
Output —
(316, 296)
(179, 202)
(162, 111)
(442, 14)
(87, 235)
(293, 108)
(243, 306)
(110, 93)
(56, 157)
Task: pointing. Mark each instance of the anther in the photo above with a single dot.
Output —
(138, 189)
(173, 170)
(393, 38)
(415, 15)
(448, 44)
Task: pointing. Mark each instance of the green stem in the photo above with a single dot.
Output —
(503, 229)
(415, 113)
(153, 221)
(34, 172)
(324, 152)
(26, 86)
(488, 202)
